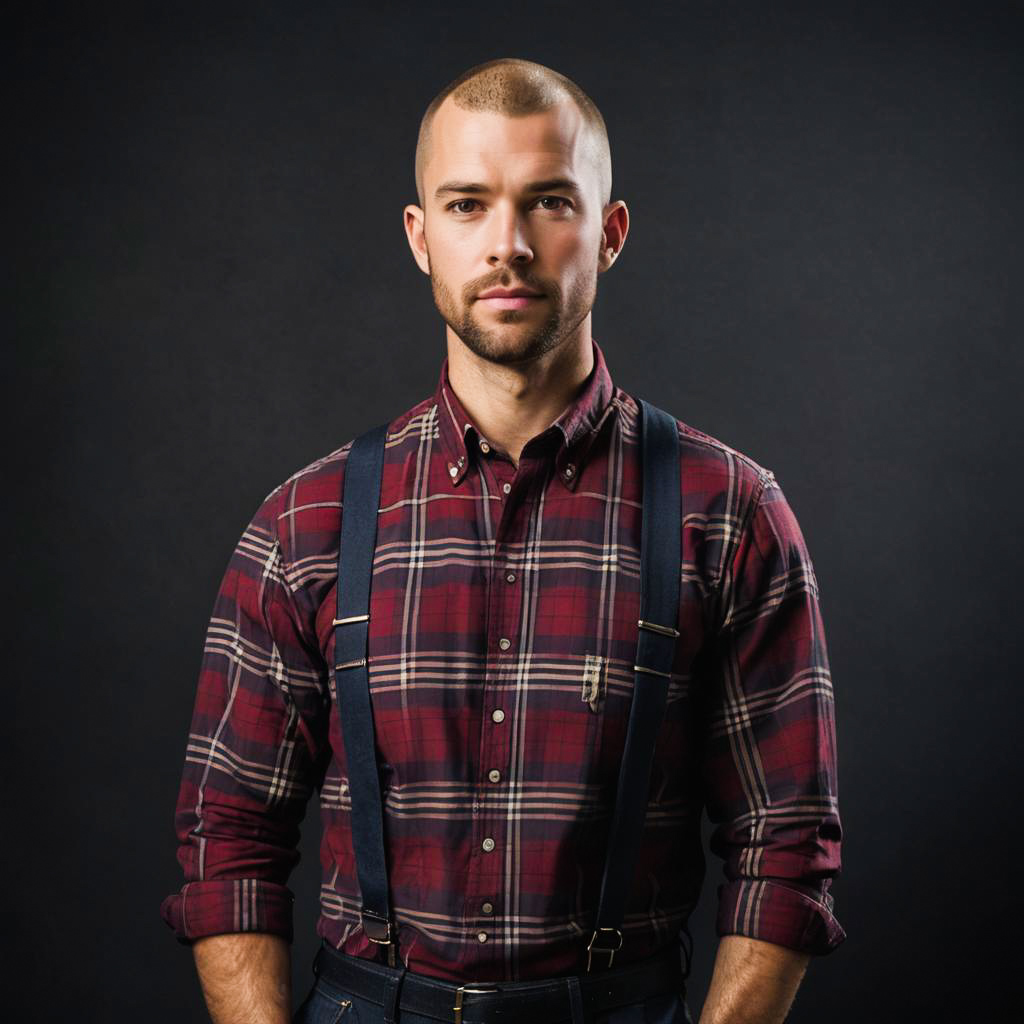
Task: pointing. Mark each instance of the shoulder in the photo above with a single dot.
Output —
(711, 467)
(303, 510)
(721, 490)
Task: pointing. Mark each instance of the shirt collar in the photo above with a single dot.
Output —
(572, 433)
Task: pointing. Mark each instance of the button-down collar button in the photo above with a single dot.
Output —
(504, 643)
(494, 775)
(488, 844)
(482, 936)
(506, 487)
(487, 908)
(498, 715)
(569, 470)
(484, 446)
(453, 470)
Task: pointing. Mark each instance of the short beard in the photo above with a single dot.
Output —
(564, 318)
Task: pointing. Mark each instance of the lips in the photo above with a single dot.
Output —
(510, 301)
(509, 298)
(509, 293)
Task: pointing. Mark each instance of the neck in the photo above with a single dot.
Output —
(510, 404)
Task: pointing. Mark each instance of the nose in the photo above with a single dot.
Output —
(508, 242)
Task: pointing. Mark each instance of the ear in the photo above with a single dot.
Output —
(414, 232)
(613, 234)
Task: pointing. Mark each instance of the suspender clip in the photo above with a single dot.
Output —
(378, 929)
(610, 950)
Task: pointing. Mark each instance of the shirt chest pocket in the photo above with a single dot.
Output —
(592, 713)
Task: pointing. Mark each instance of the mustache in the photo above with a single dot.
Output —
(505, 281)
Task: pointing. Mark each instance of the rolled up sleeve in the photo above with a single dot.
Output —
(254, 751)
(769, 768)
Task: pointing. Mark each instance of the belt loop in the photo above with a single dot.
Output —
(392, 1000)
(687, 950)
(576, 1001)
(461, 990)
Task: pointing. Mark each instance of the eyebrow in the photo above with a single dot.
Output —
(473, 188)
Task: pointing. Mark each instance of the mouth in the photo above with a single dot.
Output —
(509, 298)
(510, 301)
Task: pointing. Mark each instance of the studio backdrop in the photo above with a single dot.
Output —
(211, 288)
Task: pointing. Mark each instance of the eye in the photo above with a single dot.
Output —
(561, 203)
(558, 199)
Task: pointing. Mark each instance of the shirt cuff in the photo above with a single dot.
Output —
(778, 912)
(229, 905)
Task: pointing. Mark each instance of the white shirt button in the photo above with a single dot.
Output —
(498, 715)
(482, 936)
(488, 844)
(487, 908)
(484, 446)
(504, 643)
(453, 470)
(506, 487)
(510, 577)
(569, 470)
(494, 775)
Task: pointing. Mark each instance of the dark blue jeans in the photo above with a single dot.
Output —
(326, 1004)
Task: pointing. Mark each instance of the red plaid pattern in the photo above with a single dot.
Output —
(501, 646)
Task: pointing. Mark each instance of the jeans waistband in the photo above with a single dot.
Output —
(500, 1002)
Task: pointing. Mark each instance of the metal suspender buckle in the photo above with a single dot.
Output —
(652, 671)
(348, 620)
(610, 950)
(654, 627)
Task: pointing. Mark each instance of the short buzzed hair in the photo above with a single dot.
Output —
(515, 87)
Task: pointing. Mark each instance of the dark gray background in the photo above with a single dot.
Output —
(211, 288)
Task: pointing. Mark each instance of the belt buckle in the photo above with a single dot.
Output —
(458, 998)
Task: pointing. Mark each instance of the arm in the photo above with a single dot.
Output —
(246, 978)
(754, 982)
(253, 758)
(769, 768)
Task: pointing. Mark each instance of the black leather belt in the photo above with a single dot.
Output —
(523, 1002)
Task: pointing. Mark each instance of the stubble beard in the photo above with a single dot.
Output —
(517, 345)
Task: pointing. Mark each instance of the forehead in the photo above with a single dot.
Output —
(477, 145)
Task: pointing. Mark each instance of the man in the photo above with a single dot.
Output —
(501, 646)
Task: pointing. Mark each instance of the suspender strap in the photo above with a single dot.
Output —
(360, 500)
(660, 560)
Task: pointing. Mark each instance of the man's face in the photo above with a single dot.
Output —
(501, 212)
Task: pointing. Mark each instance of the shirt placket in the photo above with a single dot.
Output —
(495, 795)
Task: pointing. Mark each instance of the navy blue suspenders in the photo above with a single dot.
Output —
(660, 561)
